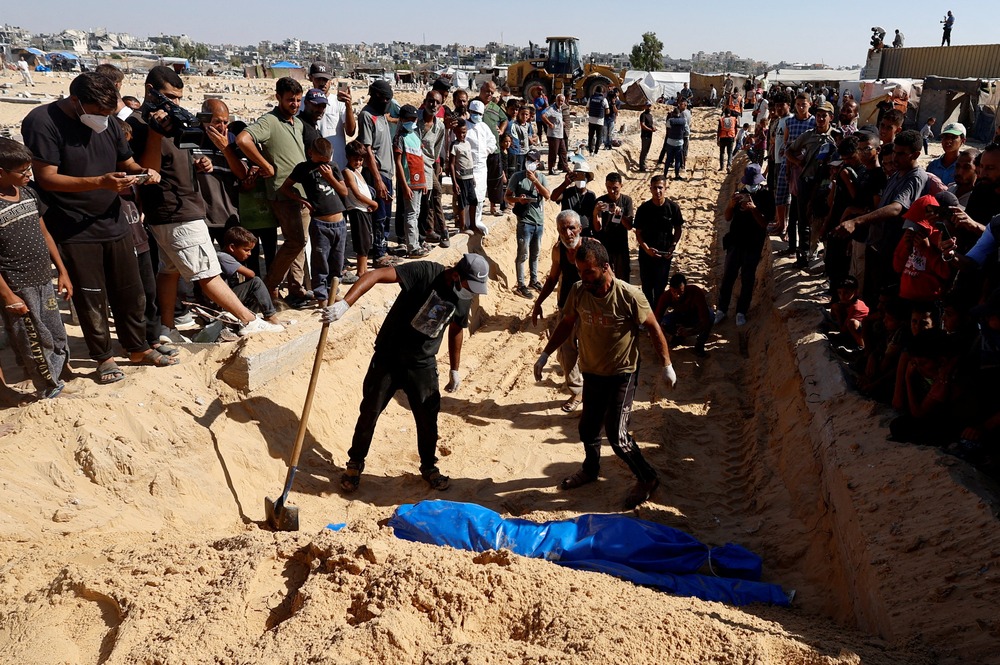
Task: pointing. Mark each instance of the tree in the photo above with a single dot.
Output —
(648, 56)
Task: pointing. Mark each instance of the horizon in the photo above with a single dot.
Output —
(739, 34)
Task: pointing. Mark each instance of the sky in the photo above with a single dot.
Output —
(602, 25)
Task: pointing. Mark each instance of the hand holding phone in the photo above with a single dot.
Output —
(141, 178)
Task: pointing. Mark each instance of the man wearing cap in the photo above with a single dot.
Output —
(952, 140)
(483, 144)
(526, 192)
(494, 118)
(379, 165)
(572, 194)
(314, 105)
(812, 152)
(338, 121)
(606, 315)
(433, 299)
(646, 128)
(747, 213)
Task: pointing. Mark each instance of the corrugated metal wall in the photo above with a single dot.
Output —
(975, 61)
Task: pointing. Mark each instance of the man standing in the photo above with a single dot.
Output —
(484, 144)
(564, 273)
(219, 184)
(610, 118)
(279, 133)
(658, 226)
(848, 117)
(433, 299)
(949, 21)
(612, 220)
(431, 130)
(526, 192)
(597, 109)
(496, 120)
(556, 132)
(713, 96)
(572, 194)
(952, 141)
(81, 164)
(965, 176)
(379, 165)
(338, 121)
(606, 314)
(22, 67)
(646, 128)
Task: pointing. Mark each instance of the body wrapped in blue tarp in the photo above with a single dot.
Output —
(642, 552)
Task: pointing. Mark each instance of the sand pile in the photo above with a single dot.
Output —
(131, 515)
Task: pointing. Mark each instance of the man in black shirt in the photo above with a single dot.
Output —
(432, 298)
(658, 226)
(646, 128)
(572, 194)
(612, 217)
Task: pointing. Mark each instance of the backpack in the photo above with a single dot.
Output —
(595, 107)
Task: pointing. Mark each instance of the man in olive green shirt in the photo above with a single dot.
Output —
(279, 135)
(608, 313)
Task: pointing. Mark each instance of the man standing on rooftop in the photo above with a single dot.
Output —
(948, 22)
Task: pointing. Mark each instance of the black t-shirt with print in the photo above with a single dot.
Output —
(582, 202)
(75, 150)
(613, 234)
(324, 199)
(425, 307)
(24, 258)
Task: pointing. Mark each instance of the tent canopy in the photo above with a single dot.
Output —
(284, 64)
(657, 84)
(796, 76)
(65, 54)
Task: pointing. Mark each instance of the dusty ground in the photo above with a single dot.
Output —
(131, 522)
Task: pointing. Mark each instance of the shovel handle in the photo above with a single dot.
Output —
(313, 380)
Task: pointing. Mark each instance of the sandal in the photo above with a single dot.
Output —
(578, 479)
(351, 477)
(436, 479)
(109, 372)
(166, 349)
(156, 359)
(572, 404)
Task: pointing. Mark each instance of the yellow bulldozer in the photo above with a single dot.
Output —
(562, 72)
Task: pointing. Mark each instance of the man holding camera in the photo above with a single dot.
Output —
(174, 209)
(338, 120)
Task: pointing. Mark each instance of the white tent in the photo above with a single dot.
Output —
(797, 76)
(657, 84)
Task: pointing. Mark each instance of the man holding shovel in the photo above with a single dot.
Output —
(433, 298)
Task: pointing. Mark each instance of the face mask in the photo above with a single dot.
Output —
(410, 125)
(530, 166)
(378, 105)
(475, 117)
(581, 184)
(97, 123)
(752, 188)
(462, 292)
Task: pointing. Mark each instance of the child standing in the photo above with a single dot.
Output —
(461, 177)
(411, 176)
(360, 204)
(508, 163)
(926, 131)
(324, 186)
(237, 247)
(27, 252)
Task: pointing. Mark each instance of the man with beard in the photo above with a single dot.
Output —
(984, 202)
(848, 117)
(607, 314)
(965, 176)
(433, 299)
(564, 273)
(496, 120)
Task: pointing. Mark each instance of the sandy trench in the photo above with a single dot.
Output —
(129, 528)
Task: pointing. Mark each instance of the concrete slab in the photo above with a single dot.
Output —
(249, 371)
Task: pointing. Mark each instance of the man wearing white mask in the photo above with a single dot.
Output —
(572, 194)
(82, 162)
(526, 192)
(483, 144)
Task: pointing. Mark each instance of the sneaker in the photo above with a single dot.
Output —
(523, 291)
(444, 243)
(719, 316)
(185, 321)
(741, 320)
(172, 336)
(259, 325)
(536, 285)
(418, 252)
(349, 278)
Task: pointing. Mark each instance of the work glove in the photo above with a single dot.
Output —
(454, 381)
(669, 376)
(334, 312)
(540, 365)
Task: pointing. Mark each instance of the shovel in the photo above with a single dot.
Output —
(279, 516)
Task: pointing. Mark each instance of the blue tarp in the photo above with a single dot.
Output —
(284, 64)
(642, 552)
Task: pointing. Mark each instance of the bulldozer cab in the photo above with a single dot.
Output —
(564, 56)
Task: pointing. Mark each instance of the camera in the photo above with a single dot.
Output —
(185, 127)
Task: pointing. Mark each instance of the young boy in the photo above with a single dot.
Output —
(926, 131)
(848, 313)
(508, 163)
(360, 204)
(411, 178)
(324, 186)
(461, 177)
(27, 252)
(237, 246)
(523, 134)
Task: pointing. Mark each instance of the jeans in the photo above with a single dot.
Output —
(254, 295)
(147, 273)
(742, 262)
(568, 355)
(411, 212)
(726, 150)
(386, 376)
(609, 130)
(267, 242)
(103, 274)
(529, 242)
(595, 137)
(381, 219)
(675, 155)
(494, 178)
(294, 223)
(607, 401)
(38, 337)
(329, 244)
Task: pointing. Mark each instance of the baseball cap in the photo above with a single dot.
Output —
(381, 88)
(408, 112)
(946, 199)
(476, 106)
(752, 175)
(319, 68)
(956, 128)
(532, 156)
(316, 96)
(476, 271)
(825, 106)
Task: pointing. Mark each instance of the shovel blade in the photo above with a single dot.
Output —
(279, 516)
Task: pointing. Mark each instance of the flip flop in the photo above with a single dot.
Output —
(109, 372)
(156, 359)
(166, 349)
(572, 404)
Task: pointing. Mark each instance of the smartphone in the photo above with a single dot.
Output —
(943, 228)
(141, 178)
(343, 86)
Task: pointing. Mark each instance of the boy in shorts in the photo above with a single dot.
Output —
(27, 252)
(360, 204)
(461, 177)
(237, 246)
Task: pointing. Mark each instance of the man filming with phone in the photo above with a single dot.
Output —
(338, 120)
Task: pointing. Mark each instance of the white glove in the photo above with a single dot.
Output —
(334, 312)
(540, 365)
(455, 380)
(669, 376)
